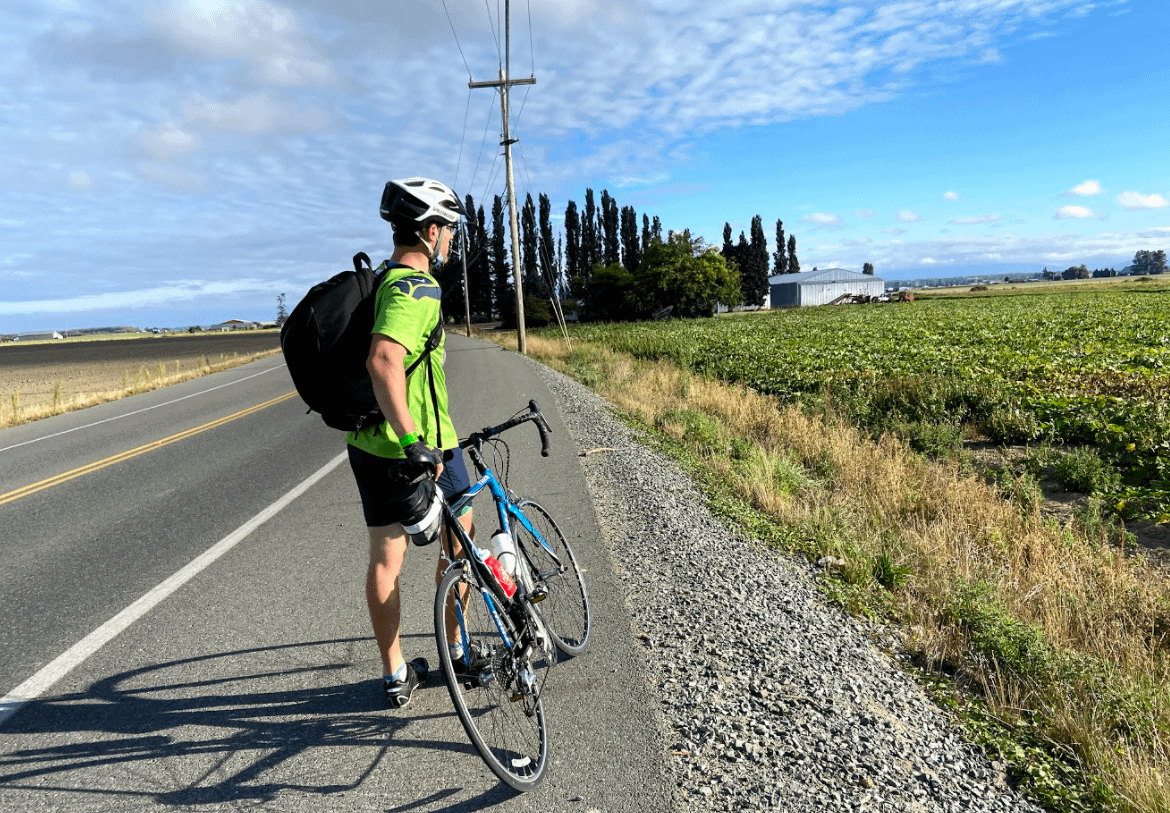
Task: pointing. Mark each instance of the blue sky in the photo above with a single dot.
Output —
(183, 162)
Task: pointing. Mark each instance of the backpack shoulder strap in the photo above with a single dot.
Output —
(432, 343)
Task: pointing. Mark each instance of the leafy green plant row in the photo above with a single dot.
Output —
(1088, 368)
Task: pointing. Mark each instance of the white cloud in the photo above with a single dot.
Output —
(976, 220)
(1136, 200)
(823, 221)
(1055, 248)
(178, 291)
(79, 179)
(1075, 212)
(168, 140)
(951, 196)
(864, 241)
(267, 36)
(256, 114)
(865, 214)
(907, 216)
(1086, 188)
(168, 175)
(895, 231)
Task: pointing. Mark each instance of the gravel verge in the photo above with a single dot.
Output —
(771, 698)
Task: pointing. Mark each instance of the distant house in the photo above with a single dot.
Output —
(822, 287)
(235, 324)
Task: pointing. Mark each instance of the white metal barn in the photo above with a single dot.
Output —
(821, 287)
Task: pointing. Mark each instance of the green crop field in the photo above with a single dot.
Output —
(1085, 368)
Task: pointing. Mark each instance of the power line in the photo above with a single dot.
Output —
(482, 144)
(522, 102)
(531, 48)
(462, 138)
(456, 36)
(495, 33)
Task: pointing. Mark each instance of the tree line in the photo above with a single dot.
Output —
(1144, 263)
(610, 264)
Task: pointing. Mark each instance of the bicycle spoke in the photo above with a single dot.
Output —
(509, 734)
(565, 604)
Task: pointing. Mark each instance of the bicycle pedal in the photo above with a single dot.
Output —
(538, 595)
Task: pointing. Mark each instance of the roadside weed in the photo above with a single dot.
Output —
(1052, 628)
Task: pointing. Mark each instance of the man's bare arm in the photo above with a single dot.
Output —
(388, 373)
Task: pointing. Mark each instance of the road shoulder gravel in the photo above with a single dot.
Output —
(771, 699)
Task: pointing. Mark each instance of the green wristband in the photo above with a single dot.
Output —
(407, 439)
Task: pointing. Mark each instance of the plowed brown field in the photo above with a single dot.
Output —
(72, 369)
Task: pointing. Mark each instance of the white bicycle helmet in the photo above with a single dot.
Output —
(418, 201)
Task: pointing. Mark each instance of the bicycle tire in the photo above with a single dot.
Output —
(511, 736)
(565, 610)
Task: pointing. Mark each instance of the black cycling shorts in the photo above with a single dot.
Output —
(388, 496)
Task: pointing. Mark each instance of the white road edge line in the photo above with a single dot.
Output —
(138, 411)
(39, 683)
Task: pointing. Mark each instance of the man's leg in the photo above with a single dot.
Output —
(387, 551)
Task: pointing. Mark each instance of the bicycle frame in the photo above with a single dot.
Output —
(505, 508)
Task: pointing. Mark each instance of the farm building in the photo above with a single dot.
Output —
(821, 287)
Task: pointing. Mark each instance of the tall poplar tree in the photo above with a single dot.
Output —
(479, 286)
(645, 233)
(572, 243)
(562, 277)
(780, 256)
(728, 251)
(742, 256)
(533, 284)
(590, 239)
(631, 244)
(545, 245)
(501, 268)
(793, 263)
(754, 277)
(480, 274)
(611, 248)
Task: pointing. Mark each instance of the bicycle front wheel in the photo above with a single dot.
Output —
(565, 607)
(496, 692)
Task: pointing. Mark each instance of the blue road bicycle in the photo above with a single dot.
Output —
(496, 649)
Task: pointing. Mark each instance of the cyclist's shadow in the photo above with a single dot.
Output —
(149, 718)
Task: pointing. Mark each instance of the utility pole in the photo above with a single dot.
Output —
(503, 84)
(466, 292)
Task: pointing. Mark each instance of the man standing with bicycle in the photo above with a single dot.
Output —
(403, 462)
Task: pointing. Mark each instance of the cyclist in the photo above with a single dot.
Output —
(402, 463)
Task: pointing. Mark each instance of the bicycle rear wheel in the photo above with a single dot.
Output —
(565, 609)
(496, 692)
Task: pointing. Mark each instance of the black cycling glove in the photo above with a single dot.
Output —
(422, 460)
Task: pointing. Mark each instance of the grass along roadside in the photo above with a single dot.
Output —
(13, 412)
(1049, 641)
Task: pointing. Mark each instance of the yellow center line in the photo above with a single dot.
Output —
(12, 496)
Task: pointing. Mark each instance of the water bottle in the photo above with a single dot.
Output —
(504, 549)
(503, 578)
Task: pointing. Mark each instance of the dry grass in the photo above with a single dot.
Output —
(144, 379)
(1058, 629)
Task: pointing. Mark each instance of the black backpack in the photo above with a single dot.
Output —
(326, 340)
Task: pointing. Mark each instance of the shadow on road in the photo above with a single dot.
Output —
(219, 740)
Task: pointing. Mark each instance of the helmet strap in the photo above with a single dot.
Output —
(431, 249)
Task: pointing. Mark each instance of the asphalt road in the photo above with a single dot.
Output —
(254, 682)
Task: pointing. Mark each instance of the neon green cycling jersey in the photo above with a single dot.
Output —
(406, 309)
